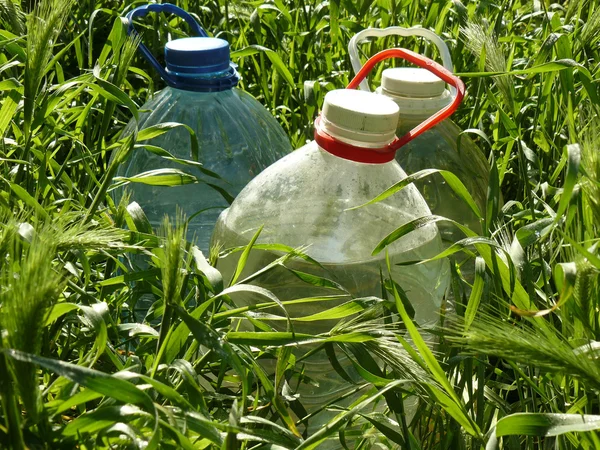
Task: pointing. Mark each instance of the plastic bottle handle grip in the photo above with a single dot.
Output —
(387, 153)
(424, 63)
(158, 8)
(397, 31)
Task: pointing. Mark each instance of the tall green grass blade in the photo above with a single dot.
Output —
(43, 28)
(103, 418)
(107, 385)
(273, 57)
(453, 405)
(159, 177)
(533, 424)
(573, 161)
(453, 182)
(476, 292)
(244, 258)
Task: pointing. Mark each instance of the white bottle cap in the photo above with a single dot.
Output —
(412, 82)
(417, 92)
(360, 117)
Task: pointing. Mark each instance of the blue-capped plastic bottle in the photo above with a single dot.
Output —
(237, 136)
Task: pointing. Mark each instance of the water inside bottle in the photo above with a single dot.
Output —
(423, 285)
(237, 138)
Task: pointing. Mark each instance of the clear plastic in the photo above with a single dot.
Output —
(302, 201)
(237, 139)
(437, 148)
(440, 148)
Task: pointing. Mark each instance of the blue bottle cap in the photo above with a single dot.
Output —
(195, 64)
(197, 55)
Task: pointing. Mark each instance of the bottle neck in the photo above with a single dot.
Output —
(414, 110)
(219, 81)
(190, 77)
(346, 150)
(408, 122)
(355, 137)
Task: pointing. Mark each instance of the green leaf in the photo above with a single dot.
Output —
(203, 426)
(213, 276)
(511, 127)
(93, 315)
(129, 277)
(533, 232)
(166, 391)
(107, 385)
(23, 195)
(226, 195)
(112, 93)
(476, 291)
(161, 128)
(260, 291)
(273, 57)
(265, 305)
(488, 250)
(115, 39)
(10, 84)
(573, 161)
(169, 157)
(84, 396)
(268, 338)
(315, 280)
(10, 41)
(453, 182)
(275, 338)
(341, 311)
(160, 177)
(58, 310)
(492, 197)
(334, 25)
(553, 66)
(565, 277)
(386, 426)
(454, 406)
(542, 424)
(211, 339)
(99, 419)
(138, 329)
(414, 225)
(137, 220)
(244, 258)
(178, 338)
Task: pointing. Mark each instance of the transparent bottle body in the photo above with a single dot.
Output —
(302, 201)
(237, 139)
(439, 148)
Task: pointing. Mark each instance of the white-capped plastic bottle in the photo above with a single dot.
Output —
(419, 94)
(304, 200)
(237, 136)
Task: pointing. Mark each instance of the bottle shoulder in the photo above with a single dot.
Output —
(308, 198)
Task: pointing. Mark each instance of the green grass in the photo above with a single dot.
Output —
(80, 368)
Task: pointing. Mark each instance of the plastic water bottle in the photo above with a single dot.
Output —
(303, 200)
(237, 136)
(420, 93)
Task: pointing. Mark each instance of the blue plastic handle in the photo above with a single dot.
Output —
(158, 8)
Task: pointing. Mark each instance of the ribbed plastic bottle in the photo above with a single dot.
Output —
(419, 93)
(237, 136)
(303, 200)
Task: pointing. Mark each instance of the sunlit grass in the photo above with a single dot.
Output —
(84, 362)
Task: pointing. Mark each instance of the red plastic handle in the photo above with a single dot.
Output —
(424, 63)
(388, 152)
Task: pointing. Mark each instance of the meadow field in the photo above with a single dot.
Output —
(516, 364)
